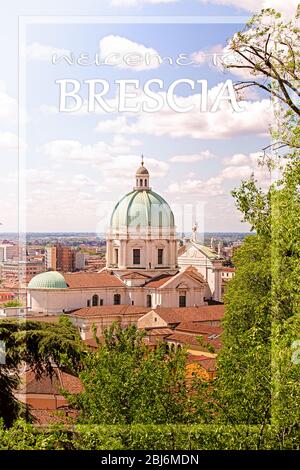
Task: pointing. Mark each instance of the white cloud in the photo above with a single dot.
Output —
(242, 167)
(73, 150)
(8, 141)
(110, 126)
(236, 159)
(204, 155)
(8, 106)
(208, 188)
(285, 6)
(37, 51)
(222, 124)
(136, 3)
(131, 55)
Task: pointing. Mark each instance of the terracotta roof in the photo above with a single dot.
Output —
(85, 280)
(191, 314)
(183, 339)
(49, 385)
(198, 327)
(135, 275)
(181, 250)
(159, 332)
(106, 310)
(159, 280)
(227, 269)
(196, 275)
(192, 340)
(47, 417)
(208, 363)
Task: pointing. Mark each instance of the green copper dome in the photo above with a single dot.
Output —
(142, 208)
(48, 280)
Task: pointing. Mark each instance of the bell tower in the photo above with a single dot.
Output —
(142, 178)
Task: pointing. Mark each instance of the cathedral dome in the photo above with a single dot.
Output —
(142, 209)
(48, 280)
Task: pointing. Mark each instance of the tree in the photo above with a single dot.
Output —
(256, 380)
(13, 303)
(267, 53)
(38, 345)
(125, 382)
(243, 384)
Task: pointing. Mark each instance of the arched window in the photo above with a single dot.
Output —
(95, 300)
(149, 301)
(141, 182)
(117, 299)
(146, 183)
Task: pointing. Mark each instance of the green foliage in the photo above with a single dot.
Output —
(13, 303)
(145, 437)
(243, 385)
(126, 382)
(285, 242)
(268, 51)
(38, 345)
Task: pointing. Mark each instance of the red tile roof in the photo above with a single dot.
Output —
(85, 280)
(49, 385)
(135, 275)
(208, 363)
(159, 281)
(191, 340)
(228, 269)
(107, 310)
(195, 274)
(198, 327)
(191, 314)
(159, 332)
(59, 416)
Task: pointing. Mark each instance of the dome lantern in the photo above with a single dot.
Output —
(142, 178)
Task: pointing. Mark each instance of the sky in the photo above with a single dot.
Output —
(75, 166)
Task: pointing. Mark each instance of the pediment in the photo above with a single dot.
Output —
(182, 281)
(192, 253)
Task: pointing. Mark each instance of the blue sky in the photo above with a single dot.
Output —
(77, 165)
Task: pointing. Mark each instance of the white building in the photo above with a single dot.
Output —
(207, 263)
(8, 251)
(142, 265)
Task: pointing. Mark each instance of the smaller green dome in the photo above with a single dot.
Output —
(48, 280)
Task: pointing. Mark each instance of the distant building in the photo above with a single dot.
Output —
(227, 273)
(80, 260)
(60, 258)
(50, 258)
(21, 269)
(8, 251)
(65, 259)
(6, 296)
